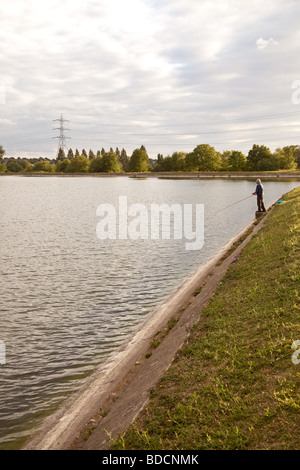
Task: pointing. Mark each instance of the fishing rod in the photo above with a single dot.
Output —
(248, 197)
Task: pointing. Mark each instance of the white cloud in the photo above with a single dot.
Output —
(263, 43)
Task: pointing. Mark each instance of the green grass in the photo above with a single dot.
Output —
(233, 384)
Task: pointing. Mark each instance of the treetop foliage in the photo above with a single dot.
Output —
(203, 158)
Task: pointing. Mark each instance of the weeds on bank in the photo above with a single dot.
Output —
(234, 385)
(160, 335)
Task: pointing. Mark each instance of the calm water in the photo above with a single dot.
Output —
(67, 299)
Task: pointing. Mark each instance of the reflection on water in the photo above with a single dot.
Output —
(68, 299)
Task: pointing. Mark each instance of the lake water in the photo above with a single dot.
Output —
(68, 300)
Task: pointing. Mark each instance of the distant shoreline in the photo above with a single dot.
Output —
(171, 175)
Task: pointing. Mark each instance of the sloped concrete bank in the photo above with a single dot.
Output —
(112, 397)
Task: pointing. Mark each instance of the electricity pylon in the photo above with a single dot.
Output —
(62, 137)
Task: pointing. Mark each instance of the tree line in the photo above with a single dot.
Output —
(203, 158)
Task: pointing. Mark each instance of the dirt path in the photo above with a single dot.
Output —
(113, 396)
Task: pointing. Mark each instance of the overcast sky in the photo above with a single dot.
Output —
(168, 74)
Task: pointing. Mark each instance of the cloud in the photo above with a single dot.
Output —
(121, 71)
(263, 43)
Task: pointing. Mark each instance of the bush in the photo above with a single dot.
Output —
(14, 166)
(43, 165)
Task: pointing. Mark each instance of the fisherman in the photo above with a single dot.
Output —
(259, 191)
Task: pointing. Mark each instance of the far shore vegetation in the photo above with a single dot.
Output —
(204, 158)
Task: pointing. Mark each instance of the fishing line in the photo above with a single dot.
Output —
(248, 197)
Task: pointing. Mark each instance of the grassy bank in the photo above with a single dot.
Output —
(233, 385)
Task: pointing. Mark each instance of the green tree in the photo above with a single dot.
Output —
(61, 154)
(84, 153)
(96, 164)
(43, 165)
(178, 161)
(138, 161)
(165, 164)
(276, 161)
(63, 166)
(297, 155)
(110, 163)
(269, 163)
(203, 158)
(27, 166)
(143, 148)
(91, 154)
(225, 160)
(2, 152)
(237, 161)
(78, 164)
(13, 166)
(70, 154)
(256, 154)
(124, 160)
(286, 156)
(77, 154)
(149, 165)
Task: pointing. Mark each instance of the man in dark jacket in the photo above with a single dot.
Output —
(259, 191)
